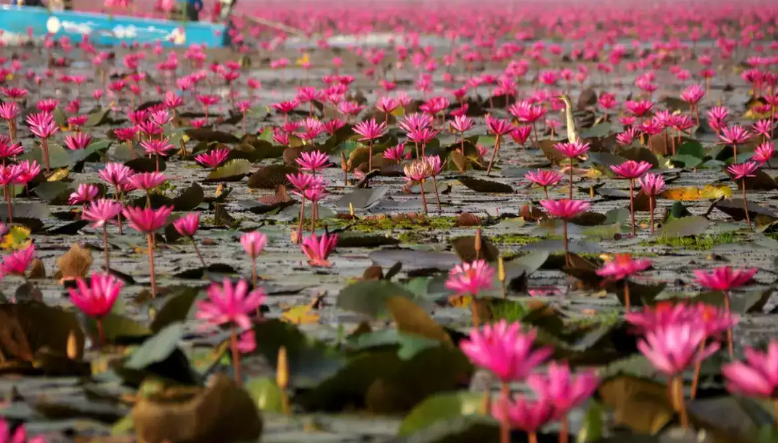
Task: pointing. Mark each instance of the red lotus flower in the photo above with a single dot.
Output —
(757, 376)
(504, 350)
(84, 194)
(724, 278)
(498, 126)
(734, 135)
(188, 224)
(623, 266)
(470, 278)
(147, 220)
(675, 347)
(631, 169)
(17, 262)
(79, 140)
(213, 158)
(312, 161)
(228, 303)
(8, 149)
(370, 130)
(565, 209)
(639, 108)
(42, 124)
(102, 211)
(572, 150)
(563, 389)
(317, 249)
(762, 154)
(743, 170)
(97, 297)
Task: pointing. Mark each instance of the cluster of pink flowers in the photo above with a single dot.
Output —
(512, 355)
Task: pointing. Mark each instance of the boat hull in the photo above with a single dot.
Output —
(109, 29)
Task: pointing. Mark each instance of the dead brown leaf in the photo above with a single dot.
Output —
(74, 263)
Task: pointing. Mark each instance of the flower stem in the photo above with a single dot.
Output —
(505, 425)
(370, 160)
(100, 332)
(533, 437)
(564, 241)
(494, 154)
(571, 178)
(474, 312)
(775, 407)
(45, 147)
(745, 206)
(197, 251)
(730, 345)
(235, 356)
(678, 401)
(151, 265)
(626, 296)
(651, 212)
(105, 248)
(437, 198)
(564, 433)
(696, 379)
(7, 193)
(632, 204)
(423, 198)
(314, 215)
(302, 215)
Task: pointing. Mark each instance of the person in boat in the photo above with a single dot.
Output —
(192, 9)
(226, 10)
(37, 3)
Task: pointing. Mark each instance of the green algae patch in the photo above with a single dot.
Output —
(695, 243)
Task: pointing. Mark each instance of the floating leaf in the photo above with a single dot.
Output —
(685, 227)
(362, 198)
(465, 249)
(118, 329)
(597, 131)
(175, 309)
(734, 208)
(157, 348)
(692, 148)
(485, 186)
(266, 394)
(29, 327)
(369, 297)
(750, 302)
(97, 118)
(411, 318)
(310, 361)
(54, 193)
(234, 170)
(639, 404)
(271, 176)
(440, 407)
(760, 182)
(209, 136)
(413, 259)
(189, 199)
(145, 164)
(58, 156)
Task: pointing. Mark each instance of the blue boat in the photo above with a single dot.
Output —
(109, 29)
